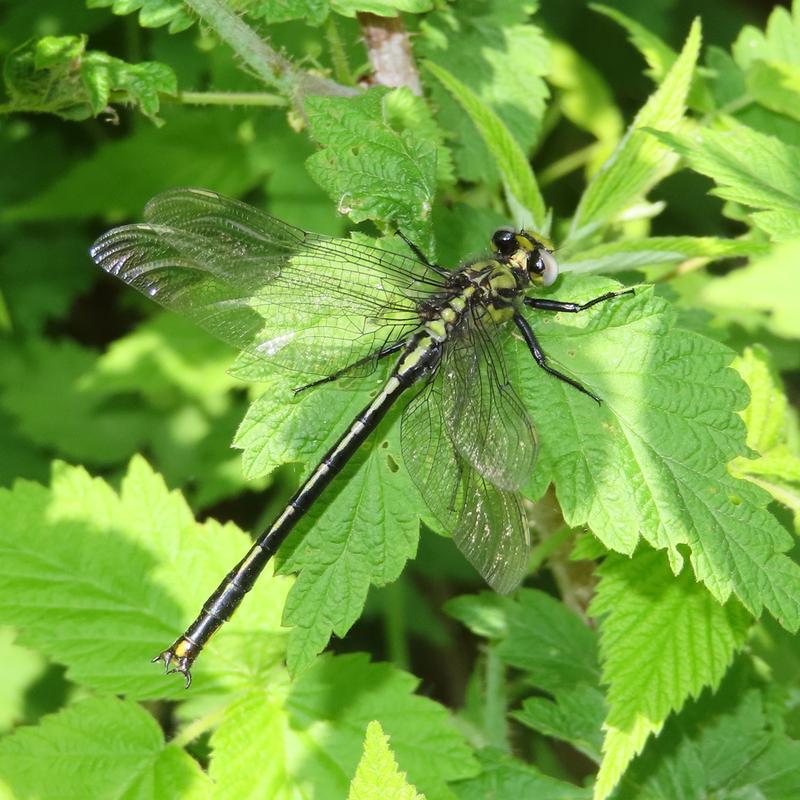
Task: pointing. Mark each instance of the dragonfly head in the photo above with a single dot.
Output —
(523, 251)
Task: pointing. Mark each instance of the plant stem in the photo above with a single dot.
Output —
(268, 64)
(395, 624)
(389, 50)
(229, 99)
(199, 726)
(341, 67)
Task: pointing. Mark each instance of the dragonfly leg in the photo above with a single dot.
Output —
(382, 353)
(418, 253)
(540, 358)
(571, 308)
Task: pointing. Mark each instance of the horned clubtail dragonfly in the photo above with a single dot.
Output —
(328, 308)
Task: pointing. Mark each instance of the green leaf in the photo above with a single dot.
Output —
(57, 75)
(663, 639)
(520, 184)
(658, 55)
(551, 643)
(769, 422)
(778, 43)
(505, 777)
(651, 462)
(377, 774)
(575, 716)
(721, 746)
(152, 13)
(196, 148)
(639, 163)
(586, 100)
(628, 254)
(99, 748)
(382, 8)
(20, 669)
(485, 614)
(768, 285)
(749, 167)
(85, 427)
(371, 169)
(121, 576)
(33, 290)
(478, 43)
(776, 86)
(333, 701)
(313, 12)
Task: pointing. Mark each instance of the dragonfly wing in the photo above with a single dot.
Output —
(485, 418)
(486, 522)
(306, 302)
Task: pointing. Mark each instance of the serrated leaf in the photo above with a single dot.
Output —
(200, 148)
(575, 715)
(586, 100)
(312, 12)
(477, 44)
(748, 167)
(20, 668)
(776, 86)
(152, 13)
(332, 702)
(551, 643)
(378, 774)
(99, 748)
(628, 254)
(518, 178)
(121, 576)
(57, 75)
(485, 614)
(382, 8)
(658, 55)
(663, 639)
(768, 285)
(720, 746)
(503, 776)
(651, 461)
(370, 169)
(777, 469)
(779, 42)
(253, 723)
(85, 428)
(639, 163)
(33, 290)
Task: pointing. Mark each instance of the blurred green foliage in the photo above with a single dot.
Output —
(652, 651)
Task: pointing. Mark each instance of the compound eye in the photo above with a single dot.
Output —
(504, 241)
(550, 271)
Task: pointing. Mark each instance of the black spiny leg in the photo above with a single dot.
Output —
(386, 351)
(421, 257)
(570, 308)
(541, 359)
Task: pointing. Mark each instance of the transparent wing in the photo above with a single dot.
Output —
(307, 302)
(485, 418)
(486, 522)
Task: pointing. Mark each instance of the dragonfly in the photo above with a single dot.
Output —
(330, 308)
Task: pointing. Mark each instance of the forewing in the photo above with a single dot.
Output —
(485, 418)
(486, 522)
(307, 302)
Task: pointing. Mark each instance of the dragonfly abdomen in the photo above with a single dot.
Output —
(420, 357)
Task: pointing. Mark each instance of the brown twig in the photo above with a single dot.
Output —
(389, 49)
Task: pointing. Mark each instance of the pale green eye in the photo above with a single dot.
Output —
(550, 268)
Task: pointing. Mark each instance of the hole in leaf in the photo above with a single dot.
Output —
(393, 465)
